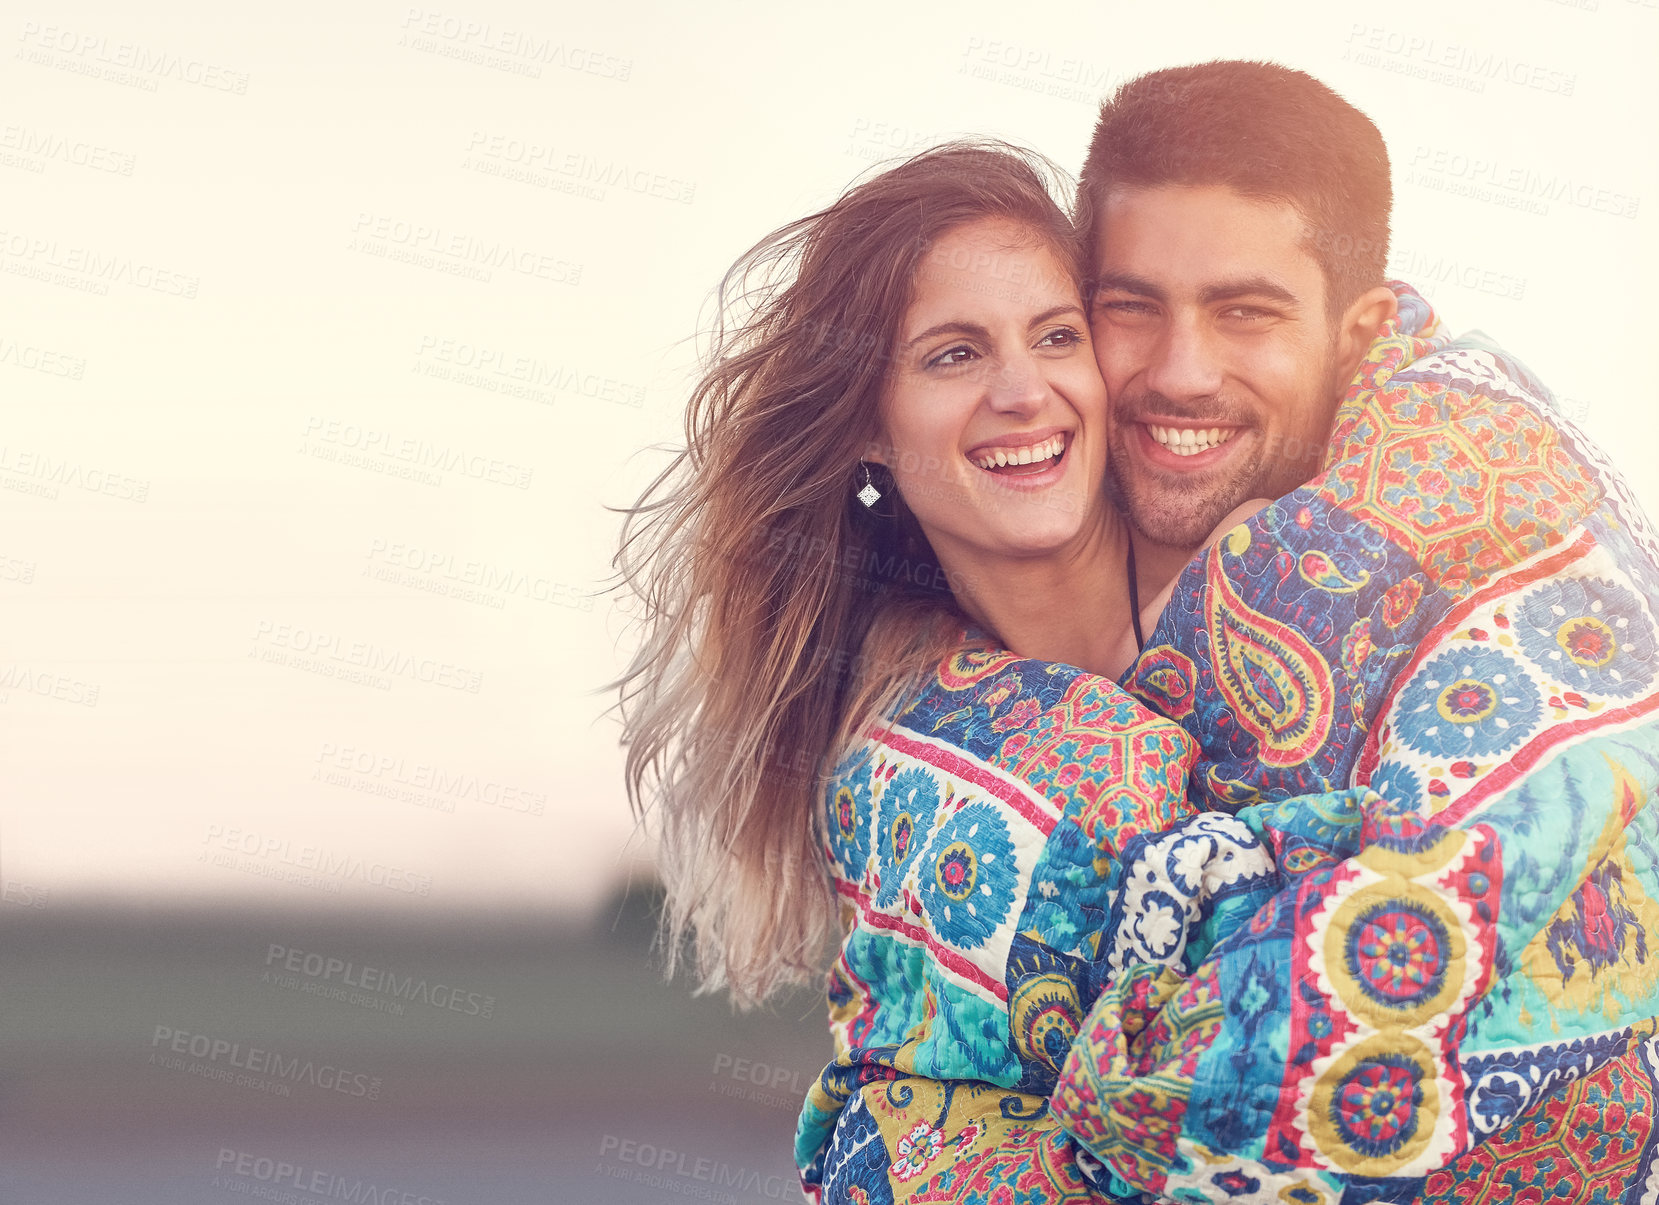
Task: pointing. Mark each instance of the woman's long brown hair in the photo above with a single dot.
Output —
(778, 615)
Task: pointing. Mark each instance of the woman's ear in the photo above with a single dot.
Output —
(875, 452)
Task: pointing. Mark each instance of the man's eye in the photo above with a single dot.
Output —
(1246, 313)
(1123, 307)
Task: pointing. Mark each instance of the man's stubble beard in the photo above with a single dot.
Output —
(1175, 519)
(1184, 519)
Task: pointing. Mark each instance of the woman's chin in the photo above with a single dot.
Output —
(1009, 538)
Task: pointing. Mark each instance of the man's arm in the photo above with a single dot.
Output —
(1470, 643)
(1397, 1001)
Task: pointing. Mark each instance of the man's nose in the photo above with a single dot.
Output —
(1184, 363)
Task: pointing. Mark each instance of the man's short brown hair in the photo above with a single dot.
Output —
(1267, 132)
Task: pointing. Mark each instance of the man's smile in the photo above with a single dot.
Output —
(1184, 447)
(1189, 441)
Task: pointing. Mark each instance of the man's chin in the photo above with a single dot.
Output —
(1175, 519)
(1184, 534)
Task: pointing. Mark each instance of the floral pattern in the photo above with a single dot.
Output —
(1477, 702)
(1593, 635)
(907, 809)
(970, 874)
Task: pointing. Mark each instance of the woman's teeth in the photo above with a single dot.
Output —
(998, 458)
(1185, 441)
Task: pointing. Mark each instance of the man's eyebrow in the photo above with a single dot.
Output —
(1128, 282)
(1248, 286)
(1222, 290)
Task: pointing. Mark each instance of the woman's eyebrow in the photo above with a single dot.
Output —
(1053, 312)
(953, 327)
(976, 331)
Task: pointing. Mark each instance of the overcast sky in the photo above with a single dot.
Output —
(329, 331)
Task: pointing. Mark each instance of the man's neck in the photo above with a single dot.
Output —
(1156, 568)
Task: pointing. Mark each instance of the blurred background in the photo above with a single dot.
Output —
(328, 334)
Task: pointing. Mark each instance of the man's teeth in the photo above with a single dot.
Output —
(1185, 441)
(997, 458)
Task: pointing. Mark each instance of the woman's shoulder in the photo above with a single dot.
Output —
(980, 695)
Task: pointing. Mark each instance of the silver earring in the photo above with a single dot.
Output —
(869, 495)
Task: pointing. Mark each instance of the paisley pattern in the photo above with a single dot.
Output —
(1274, 682)
(1428, 681)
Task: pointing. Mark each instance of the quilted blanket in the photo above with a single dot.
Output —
(1392, 941)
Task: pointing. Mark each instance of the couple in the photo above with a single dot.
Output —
(1213, 706)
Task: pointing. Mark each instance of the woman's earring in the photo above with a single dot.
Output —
(869, 495)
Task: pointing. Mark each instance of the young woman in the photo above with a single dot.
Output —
(885, 596)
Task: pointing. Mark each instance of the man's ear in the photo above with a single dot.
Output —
(1360, 324)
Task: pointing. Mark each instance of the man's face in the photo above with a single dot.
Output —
(1210, 330)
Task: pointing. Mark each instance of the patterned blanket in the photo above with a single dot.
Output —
(1428, 679)
(1405, 952)
(973, 844)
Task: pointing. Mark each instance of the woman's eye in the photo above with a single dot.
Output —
(954, 355)
(1064, 336)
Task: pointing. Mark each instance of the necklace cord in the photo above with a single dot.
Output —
(1134, 597)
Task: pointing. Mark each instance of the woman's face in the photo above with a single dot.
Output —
(993, 421)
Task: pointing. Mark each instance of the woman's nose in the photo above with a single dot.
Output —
(1018, 384)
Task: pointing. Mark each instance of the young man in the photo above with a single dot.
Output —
(1428, 676)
